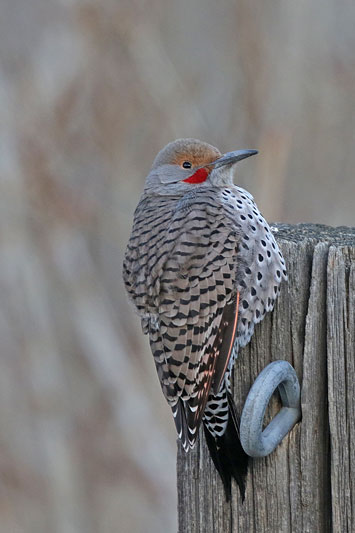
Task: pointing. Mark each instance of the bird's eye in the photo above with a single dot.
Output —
(186, 164)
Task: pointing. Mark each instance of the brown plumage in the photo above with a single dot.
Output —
(201, 267)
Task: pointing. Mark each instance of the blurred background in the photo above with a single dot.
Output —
(89, 92)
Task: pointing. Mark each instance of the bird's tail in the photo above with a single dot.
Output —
(227, 453)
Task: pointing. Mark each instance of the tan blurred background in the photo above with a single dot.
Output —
(89, 92)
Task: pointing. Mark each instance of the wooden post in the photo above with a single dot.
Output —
(308, 483)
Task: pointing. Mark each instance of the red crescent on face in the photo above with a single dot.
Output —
(198, 177)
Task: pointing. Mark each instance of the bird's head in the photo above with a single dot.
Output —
(185, 163)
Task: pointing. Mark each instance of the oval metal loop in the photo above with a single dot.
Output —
(255, 441)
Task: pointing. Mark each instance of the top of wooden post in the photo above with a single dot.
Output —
(337, 236)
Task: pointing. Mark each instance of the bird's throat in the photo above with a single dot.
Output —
(198, 177)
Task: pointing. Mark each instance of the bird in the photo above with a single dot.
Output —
(202, 268)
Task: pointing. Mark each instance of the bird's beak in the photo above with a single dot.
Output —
(230, 158)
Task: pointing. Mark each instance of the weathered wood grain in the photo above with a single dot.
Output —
(341, 383)
(307, 484)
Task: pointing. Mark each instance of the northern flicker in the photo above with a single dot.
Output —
(202, 267)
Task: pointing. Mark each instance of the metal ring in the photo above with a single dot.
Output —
(255, 441)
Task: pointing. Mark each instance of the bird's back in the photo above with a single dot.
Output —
(186, 259)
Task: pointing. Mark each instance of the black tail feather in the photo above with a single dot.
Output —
(228, 455)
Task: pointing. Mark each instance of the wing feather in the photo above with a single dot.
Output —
(196, 282)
